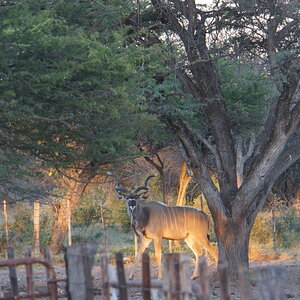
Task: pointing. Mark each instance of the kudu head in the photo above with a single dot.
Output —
(132, 197)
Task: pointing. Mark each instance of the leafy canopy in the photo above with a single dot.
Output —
(65, 95)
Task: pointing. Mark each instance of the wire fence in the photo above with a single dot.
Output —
(86, 278)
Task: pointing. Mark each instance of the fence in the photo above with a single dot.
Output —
(81, 283)
(29, 262)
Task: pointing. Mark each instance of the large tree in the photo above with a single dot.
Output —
(260, 33)
(64, 92)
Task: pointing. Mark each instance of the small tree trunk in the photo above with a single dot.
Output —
(69, 224)
(36, 228)
(104, 227)
(184, 180)
(233, 243)
(274, 225)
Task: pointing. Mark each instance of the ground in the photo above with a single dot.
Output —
(290, 267)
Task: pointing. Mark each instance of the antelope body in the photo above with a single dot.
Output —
(156, 221)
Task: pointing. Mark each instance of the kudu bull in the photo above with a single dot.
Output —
(156, 221)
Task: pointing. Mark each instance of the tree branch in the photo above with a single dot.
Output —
(196, 163)
(153, 163)
(288, 157)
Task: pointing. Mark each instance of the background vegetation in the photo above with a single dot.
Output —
(118, 235)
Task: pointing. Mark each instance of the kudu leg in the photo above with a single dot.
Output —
(157, 247)
(209, 247)
(195, 247)
(144, 245)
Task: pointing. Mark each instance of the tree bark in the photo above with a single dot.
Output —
(61, 223)
(233, 236)
(161, 170)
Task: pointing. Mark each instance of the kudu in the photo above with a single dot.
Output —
(156, 221)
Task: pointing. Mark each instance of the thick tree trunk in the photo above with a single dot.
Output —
(233, 243)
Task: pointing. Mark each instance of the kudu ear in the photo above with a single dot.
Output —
(122, 197)
(145, 195)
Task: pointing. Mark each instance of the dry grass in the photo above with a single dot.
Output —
(259, 252)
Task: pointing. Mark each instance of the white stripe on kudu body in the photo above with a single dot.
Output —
(156, 221)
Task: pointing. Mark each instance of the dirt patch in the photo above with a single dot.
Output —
(291, 268)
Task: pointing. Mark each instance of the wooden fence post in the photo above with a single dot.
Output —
(121, 276)
(271, 282)
(29, 273)
(203, 279)
(105, 279)
(52, 286)
(80, 259)
(36, 228)
(146, 289)
(6, 222)
(185, 280)
(244, 282)
(224, 282)
(12, 272)
(171, 279)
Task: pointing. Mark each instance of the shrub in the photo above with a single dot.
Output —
(21, 227)
(288, 228)
(262, 231)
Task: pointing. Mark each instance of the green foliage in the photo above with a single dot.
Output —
(64, 92)
(247, 93)
(66, 87)
(288, 228)
(20, 177)
(118, 217)
(21, 229)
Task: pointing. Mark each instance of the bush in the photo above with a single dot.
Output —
(288, 228)
(262, 231)
(87, 212)
(21, 227)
